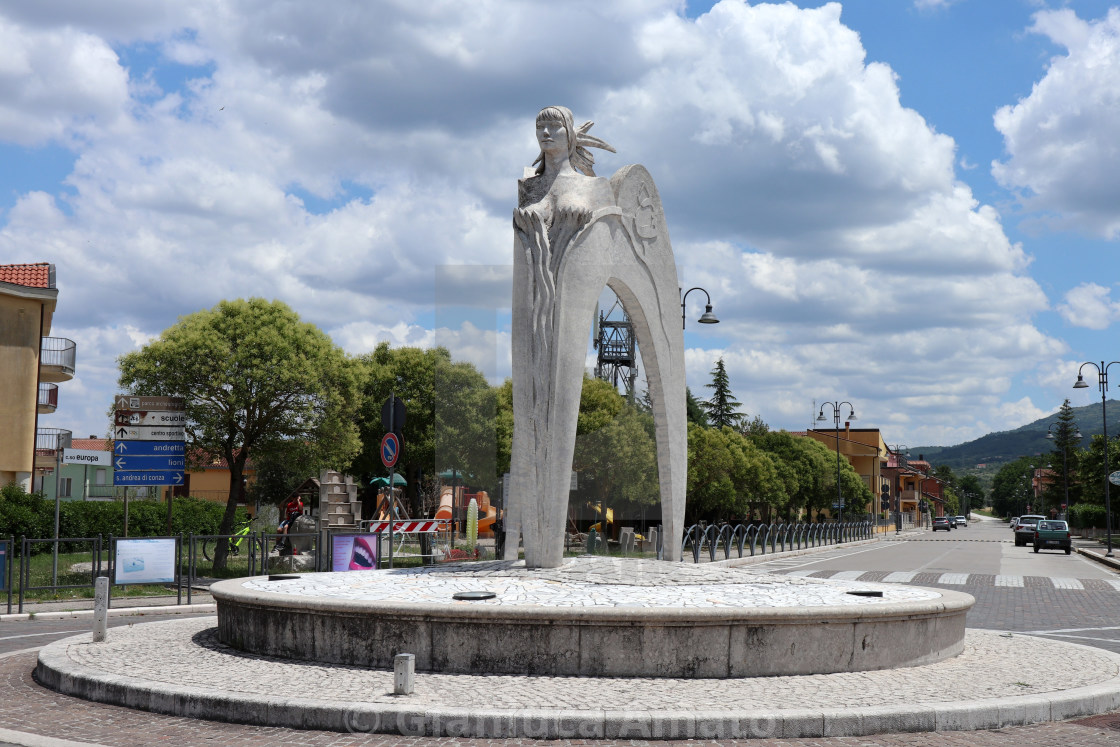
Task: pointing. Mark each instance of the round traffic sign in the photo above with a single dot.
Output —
(390, 449)
(1114, 478)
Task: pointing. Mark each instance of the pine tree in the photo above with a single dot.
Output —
(1066, 437)
(722, 408)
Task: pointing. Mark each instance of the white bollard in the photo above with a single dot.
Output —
(100, 608)
(404, 674)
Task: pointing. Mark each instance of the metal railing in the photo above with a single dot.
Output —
(58, 352)
(781, 537)
(48, 397)
(49, 441)
(26, 546)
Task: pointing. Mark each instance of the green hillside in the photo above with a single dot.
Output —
(987, 453)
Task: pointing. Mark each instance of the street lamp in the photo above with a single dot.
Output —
(1065, 463)
(836, 420)
(707, 317)
(1102, 383)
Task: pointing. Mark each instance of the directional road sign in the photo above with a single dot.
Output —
(149, 433)
(150, 448)
(154, 477)
(390, 449)
(150, 417)
(129, 402)
(86, 456)
(128, 463)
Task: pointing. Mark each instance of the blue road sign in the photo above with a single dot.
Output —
(150, 462)
(154, 477)
(390, 449)
(149, 448)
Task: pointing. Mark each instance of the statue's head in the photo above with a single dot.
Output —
(578, 139)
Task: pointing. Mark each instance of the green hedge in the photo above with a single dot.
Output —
(1087, 515)
(31, 515)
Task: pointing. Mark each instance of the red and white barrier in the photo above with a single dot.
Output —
(409, 527)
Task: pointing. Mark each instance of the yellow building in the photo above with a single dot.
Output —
(865, 449)
(32, 364)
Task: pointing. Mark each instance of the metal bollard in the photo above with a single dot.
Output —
(404, 674)
(100, 608)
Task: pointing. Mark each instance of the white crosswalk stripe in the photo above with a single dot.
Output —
(1067, 583)
(801, 574)
(900, 577)
(848, 575)
(953, 579)
(1009, 581)
(1114, 584)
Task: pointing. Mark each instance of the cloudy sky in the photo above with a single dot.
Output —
(910, 205)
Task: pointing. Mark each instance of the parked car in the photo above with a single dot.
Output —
(1051, 534)
(952, 521)
(962, 521)
(942, 522)
(1024, 529)
(1013, 522)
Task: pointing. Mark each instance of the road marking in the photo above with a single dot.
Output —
(848, 575)
(1068, 630)
(801, 574)
(1009, 581)
(32, 635)
(1114, 584)
(1080, 637)
(830, 556)
(1067, 583)
(900, 577)
(954, 579)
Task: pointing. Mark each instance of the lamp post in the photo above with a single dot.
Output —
(901, 455)
(1102, 384)
(836, 420)
(1066, 436)
(707, 317)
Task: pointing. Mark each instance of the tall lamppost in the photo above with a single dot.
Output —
(836, 420)
(1102, 383)
(1065, 463)
(707, 317)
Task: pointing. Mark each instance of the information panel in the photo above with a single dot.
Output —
(353, 552)
(145, 561)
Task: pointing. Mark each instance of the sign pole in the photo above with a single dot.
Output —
(57, 500)
(392, 429)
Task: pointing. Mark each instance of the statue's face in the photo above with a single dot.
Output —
(552, 136)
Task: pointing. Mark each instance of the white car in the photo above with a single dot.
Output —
(962, 521)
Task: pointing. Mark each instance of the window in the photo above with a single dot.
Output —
(64, 487)
(99, 478)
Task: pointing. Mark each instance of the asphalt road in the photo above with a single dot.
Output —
(1049, 594)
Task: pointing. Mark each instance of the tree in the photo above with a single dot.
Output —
(1063, 460)
(694, 409)
(722, 408)
(971, 492)
(728, 475)
(256, 379)
(449, 425)
(615, 454)
(1090, 466)
(1011, 493)
(808, 469)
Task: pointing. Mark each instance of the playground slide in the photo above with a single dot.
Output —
(487, 513)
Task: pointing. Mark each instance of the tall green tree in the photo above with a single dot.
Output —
(1011, 487)
(729, 477)
(808, 470)
(255, 378)
(1063, 460)
(1091, 468)
(722, 409)
(971, 492)
(694, 409)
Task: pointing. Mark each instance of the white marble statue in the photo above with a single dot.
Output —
(574, 234)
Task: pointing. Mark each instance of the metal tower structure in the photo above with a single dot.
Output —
(617, 360)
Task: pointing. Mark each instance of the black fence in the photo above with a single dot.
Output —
(753, 539)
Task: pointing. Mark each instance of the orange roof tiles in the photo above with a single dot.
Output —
(92, 444)
(36, 275)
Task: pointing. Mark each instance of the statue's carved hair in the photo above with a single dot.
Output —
(578, 140)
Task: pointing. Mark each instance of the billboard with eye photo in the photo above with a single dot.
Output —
(353, 552)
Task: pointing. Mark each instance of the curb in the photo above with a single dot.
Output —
(1098, 557)
(172, 609)
(26, 739)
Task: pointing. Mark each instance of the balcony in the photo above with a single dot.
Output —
(56, 361)
(48, 443)
(48, 398)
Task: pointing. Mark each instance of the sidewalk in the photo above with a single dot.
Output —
(201, 601)
(1094, 550)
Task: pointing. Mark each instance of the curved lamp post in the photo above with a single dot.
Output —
(1102, 383)
(707, 317)
(1065, 463)
(836, 420)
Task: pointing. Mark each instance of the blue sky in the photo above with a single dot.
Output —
(912, 205)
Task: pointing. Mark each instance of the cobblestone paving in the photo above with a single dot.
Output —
(586, 582)
(186, 653)
(30, 708)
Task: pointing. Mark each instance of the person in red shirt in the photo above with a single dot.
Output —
(292, 509)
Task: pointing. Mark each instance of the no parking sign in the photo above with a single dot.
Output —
(390, 449)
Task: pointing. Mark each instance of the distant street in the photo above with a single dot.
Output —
(1051, 594)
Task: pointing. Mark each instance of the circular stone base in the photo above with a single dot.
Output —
(593, 617)
(181, 669)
